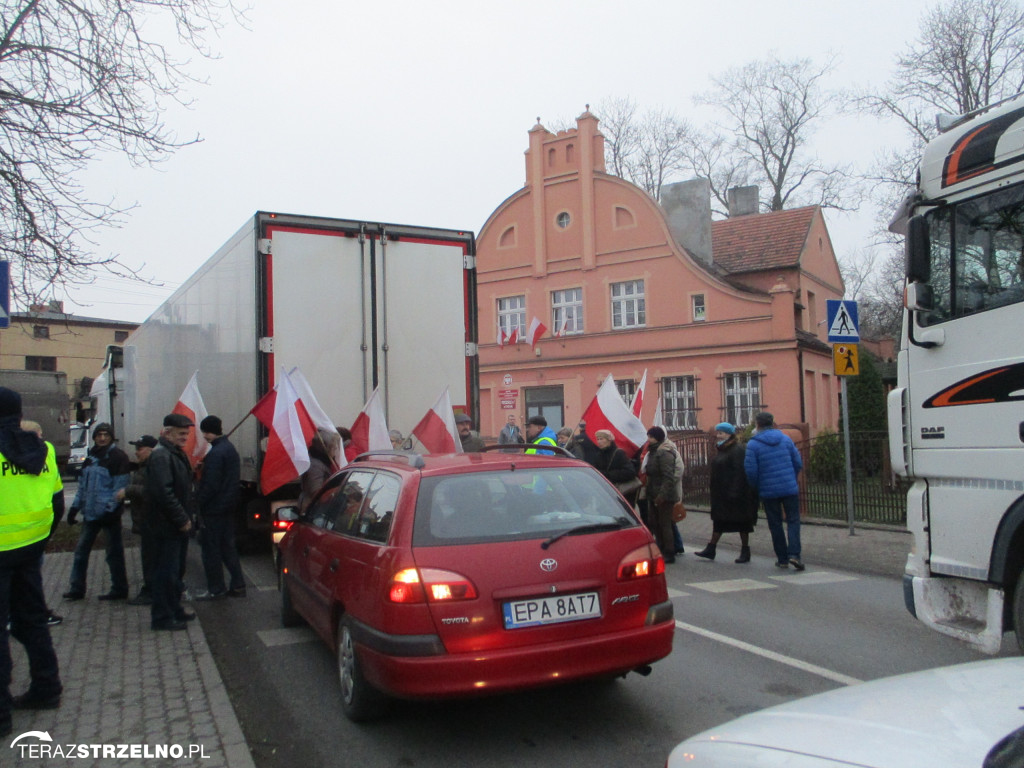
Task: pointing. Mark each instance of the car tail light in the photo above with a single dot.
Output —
(282, 525)
(641, 563)
(421, 585)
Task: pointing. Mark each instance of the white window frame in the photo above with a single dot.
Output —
(627, 390)
(698, 308)
(567, 303)
(741, 397)
(629, 308)
(512, 315)
(679, 402)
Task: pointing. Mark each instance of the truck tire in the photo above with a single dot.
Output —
(289, 616)
(1018, 610)
(359, 700)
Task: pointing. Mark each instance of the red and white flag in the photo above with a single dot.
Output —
(501, 338)
(607, 411)
(190, 404)
(291, 432)
(320, 418)
(562, 325)
(659, 420)
(537, 329)
(370, 429)
(437, 430)
(638, 398)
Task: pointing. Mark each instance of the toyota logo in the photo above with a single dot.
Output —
(548, 564)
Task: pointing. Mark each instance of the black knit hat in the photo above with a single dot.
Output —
(657, 433)
(212, 425)
(10, 402)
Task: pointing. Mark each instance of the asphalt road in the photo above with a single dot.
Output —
(748, 637)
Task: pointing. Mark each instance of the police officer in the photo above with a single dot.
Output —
(30, 489)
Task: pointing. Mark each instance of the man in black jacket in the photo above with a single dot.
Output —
(169, 490)
(218, 497)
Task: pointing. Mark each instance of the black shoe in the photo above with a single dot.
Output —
(114, 596)
(34, 701)
(53, 619)
(708, 552)
(782, 565)
(141, 599)
(795, 562)
(72, 595)
(240, 592)
(169, 626)
(744, 555)
(207, 596)
(669, 559)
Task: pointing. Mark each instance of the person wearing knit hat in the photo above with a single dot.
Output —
(217, 495)
(664, 482)
(29, 488)
(733, 502)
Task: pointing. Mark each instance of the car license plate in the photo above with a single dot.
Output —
(552, 610)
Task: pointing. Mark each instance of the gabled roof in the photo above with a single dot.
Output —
(761, 241)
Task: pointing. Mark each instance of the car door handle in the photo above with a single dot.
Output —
(333, 567)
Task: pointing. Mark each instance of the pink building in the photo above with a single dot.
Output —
(727, 318)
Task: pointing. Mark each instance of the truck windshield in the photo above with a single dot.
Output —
(977, 255)
(79, 435)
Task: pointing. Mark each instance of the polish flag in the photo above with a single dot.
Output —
(291, 432)
(638, 398)
(190, 404)
(437, 429)
(501, 339)
(319, 417)
(537, 329)
(513, 337)
(370, 429)
(607, 411)
(562, 325)
(659, 420)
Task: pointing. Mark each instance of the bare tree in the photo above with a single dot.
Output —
(875, 282)
(709, 155)
(772, 108)
(78, 80)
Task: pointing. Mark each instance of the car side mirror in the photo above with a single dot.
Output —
(287, 514)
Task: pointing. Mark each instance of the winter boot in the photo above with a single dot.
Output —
(744, 555)
(708, 552)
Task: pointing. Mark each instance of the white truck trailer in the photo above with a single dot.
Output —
(353, 304)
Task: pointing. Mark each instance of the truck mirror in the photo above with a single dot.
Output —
(918, 251)
(920, 297)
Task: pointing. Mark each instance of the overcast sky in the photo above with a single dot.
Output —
(417, 113)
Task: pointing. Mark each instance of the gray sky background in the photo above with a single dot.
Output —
(417, 113)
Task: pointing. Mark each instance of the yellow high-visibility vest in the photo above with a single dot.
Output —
(542, 441)
(26, 502)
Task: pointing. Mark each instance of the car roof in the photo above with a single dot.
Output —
(458, 463)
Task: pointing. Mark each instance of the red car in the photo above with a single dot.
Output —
(459, 575)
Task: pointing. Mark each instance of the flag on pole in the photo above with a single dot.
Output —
(437, 430)
(659, 420)
(501, 339)
(638, 398)
(562, 325)
(319, 417)
(607, 411)
(190, 404)
(537, 329)
(370, 429)
(291, 432)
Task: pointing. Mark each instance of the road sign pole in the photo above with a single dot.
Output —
(846, 453)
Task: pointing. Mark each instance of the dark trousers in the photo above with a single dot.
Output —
(775, 511)
(23, 605)
(217, 540)
(111, 526)
(147, 551)
(166, 584)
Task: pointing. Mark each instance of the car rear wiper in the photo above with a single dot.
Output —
(619, 522)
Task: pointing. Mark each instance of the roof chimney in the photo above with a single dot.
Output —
(743, 201)
(687, 206)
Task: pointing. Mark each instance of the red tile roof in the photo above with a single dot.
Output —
(761, 241)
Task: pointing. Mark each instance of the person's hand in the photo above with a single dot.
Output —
(72, 515)
(186, 527)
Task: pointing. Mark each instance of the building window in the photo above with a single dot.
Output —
(567, 311)
(41, 331)
(120, 336)
(628, 308)
(679, 402)
(563, 220)
(512, 316)
(36, 363)
(627, 390)
(698, 307)
(741, 397)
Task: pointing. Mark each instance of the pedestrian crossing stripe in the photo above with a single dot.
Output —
(731, 585)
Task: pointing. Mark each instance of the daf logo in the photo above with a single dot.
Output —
(548, 564)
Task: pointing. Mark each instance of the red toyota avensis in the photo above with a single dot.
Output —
(461, 575)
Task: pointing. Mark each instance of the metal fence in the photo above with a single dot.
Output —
(879, 495)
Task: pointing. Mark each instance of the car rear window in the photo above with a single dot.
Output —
(514, 504)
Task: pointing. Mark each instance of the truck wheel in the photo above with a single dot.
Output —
(359, 700)
(1018, 610)
(289, 616)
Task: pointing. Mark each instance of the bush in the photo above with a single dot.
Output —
(828, 462)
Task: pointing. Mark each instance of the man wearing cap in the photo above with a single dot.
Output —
(30, 489)
(471, 441)
(169, 491)
(772, 464)
(539, 433)
(135, 493)
(105, 472)
(218, 496)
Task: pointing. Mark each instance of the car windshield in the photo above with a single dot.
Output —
(514, 505)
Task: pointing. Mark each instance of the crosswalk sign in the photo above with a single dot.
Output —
(845, 360)
(5, 294)
(842, 321)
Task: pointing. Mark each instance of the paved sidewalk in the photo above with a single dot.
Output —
(125, 684)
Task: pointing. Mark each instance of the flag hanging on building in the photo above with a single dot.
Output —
(370, 429)
(562, 325)
(190, 404)
(638, 398)
(437, 430)
(607, 411)
(291, 432)
(537, 329)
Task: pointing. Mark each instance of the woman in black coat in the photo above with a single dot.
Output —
(733, 502)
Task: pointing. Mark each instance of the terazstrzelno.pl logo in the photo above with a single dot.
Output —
(39, 745)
